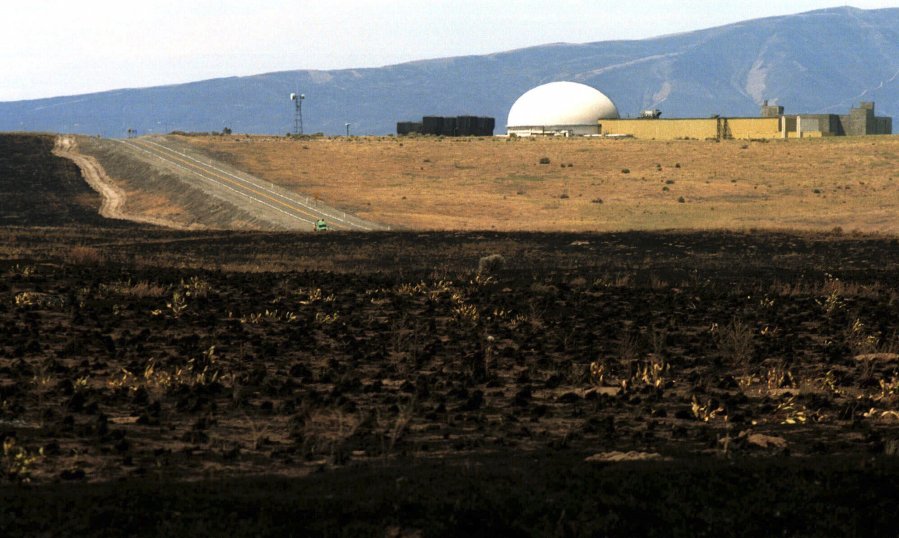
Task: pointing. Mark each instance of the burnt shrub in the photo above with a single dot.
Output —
(491, 264)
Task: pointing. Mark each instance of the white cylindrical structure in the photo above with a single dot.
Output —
(560, 108)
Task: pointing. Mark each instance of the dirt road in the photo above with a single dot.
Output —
(114, 198)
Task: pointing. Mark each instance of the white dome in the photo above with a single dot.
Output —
(558, 105)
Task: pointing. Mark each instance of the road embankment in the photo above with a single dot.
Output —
(113, 196)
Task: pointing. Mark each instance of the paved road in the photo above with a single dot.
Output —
(270, 202)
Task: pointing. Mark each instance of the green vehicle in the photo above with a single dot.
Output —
(321, 225)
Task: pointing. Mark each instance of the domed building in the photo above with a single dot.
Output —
(560, 109)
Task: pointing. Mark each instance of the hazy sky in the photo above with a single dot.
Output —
(65, 47)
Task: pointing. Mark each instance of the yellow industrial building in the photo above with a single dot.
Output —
(772, 124)
(573, 109)
(697, 128)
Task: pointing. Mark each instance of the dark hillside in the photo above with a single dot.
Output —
(39, 188)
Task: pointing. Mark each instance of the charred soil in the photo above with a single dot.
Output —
(159, 382)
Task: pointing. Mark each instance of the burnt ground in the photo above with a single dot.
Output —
(158, 383)
(38, 188)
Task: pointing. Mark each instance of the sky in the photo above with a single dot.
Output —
(64, 47)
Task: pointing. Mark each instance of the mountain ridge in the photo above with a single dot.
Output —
(818, 61)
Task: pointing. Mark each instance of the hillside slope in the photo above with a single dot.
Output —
(821, 61)
(38, 188)
(429, 183)
(162, 181)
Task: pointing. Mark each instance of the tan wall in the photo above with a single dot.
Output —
(662, 129)
(754, 127)
(672, 129)
(806, 134)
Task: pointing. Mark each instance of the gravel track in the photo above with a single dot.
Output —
(280, 207)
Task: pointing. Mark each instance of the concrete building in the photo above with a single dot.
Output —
(772, 123)
(560, 109)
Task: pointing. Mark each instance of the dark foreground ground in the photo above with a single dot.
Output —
(161, 383)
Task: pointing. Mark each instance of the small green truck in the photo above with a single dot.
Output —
(321, 225)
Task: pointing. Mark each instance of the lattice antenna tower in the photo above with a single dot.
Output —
(298, 112)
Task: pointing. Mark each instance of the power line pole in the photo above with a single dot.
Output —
(298, 113)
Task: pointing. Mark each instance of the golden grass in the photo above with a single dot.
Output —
(497, 183)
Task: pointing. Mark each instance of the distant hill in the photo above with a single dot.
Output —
(820, 61)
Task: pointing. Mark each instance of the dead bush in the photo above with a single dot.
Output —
(84, 255)
(491, 264)
(735, 342)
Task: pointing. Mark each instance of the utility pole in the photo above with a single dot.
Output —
(298, 113)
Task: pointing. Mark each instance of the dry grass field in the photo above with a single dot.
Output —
(600, 185)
